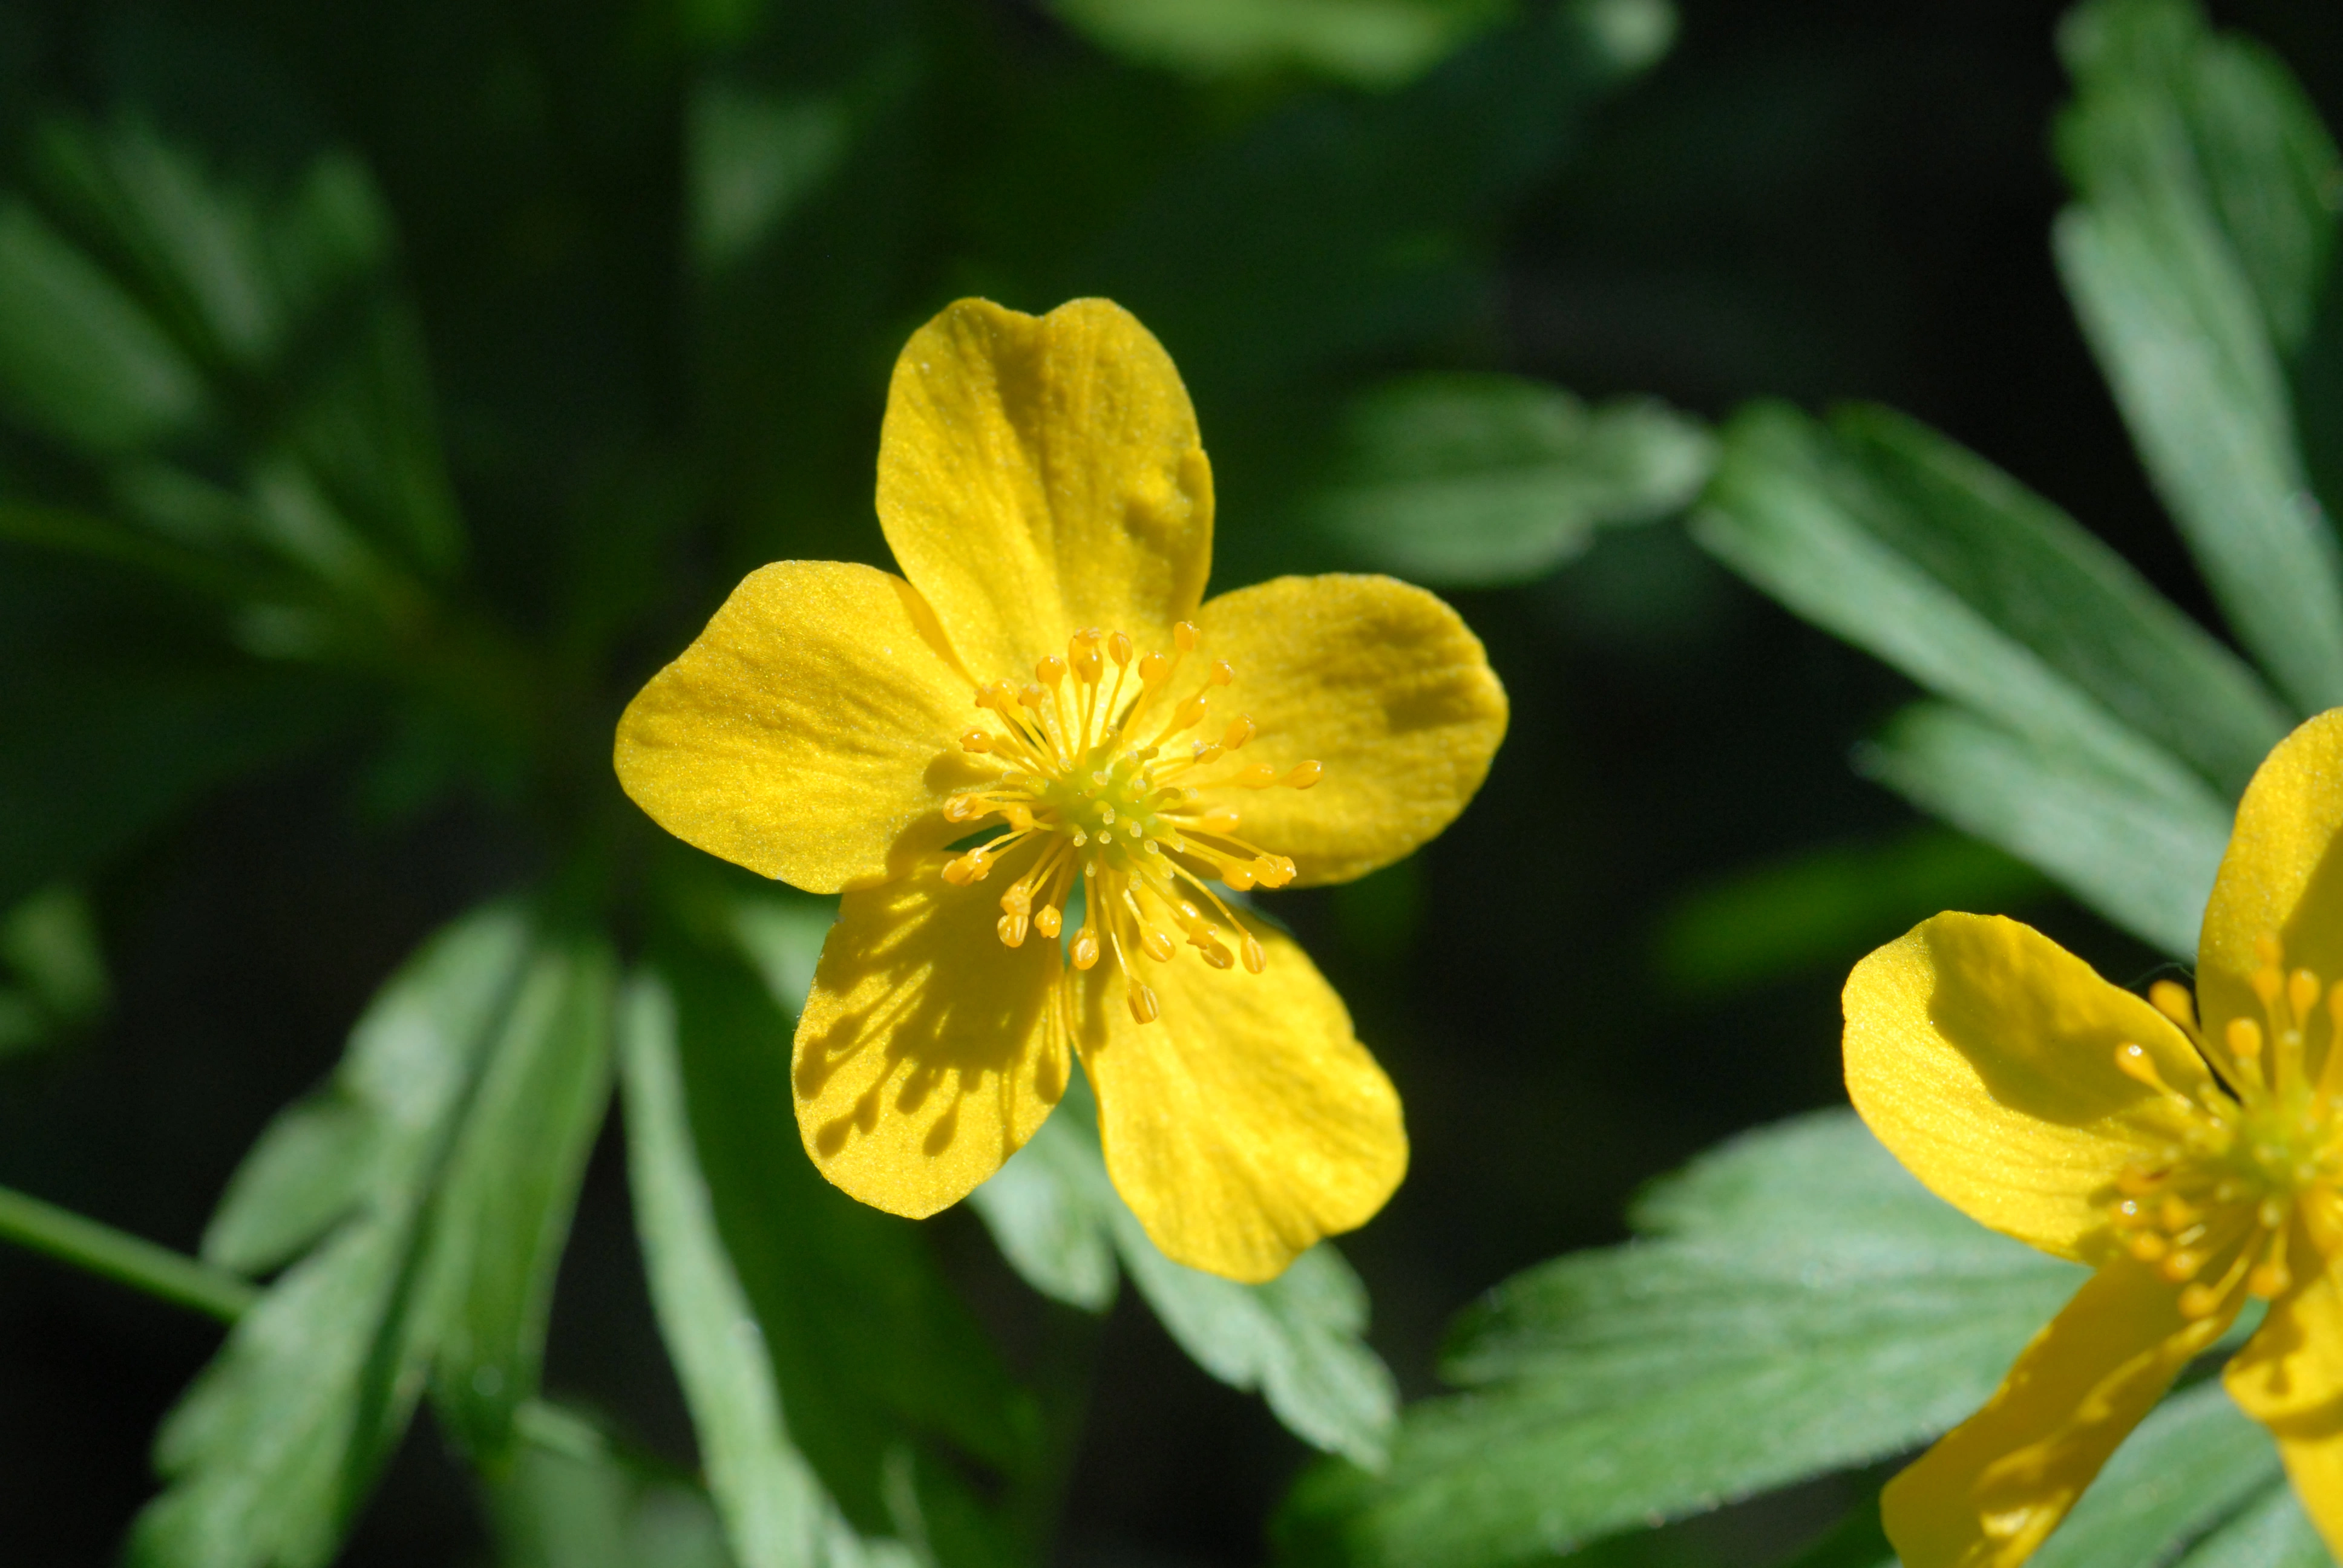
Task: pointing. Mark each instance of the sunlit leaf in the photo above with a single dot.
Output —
(448, 1145)
(2132, 846)
(1799, 1305)
(775, 1509)
(1891, 536)
(2187, 1469)
(272, 1449)
(2195, 258)
(1470, 481)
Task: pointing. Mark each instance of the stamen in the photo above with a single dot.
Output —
(1144, 1006)
(2173, 1000)
(976, 741)
(1305, 774)
(1239, 730)
(1255, 959)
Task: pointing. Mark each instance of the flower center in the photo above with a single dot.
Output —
(1107, 777)
(2256, 1149)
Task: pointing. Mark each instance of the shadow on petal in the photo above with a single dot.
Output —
(929, 1051)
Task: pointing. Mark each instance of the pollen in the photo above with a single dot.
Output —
(2255, 1153)
(1121, 786)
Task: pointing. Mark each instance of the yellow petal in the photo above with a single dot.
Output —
(1379, 681)
(1994, 1486)
(1983, 1055)
(809, 733)
(1040, 475)
(1247, 1120)
(2281, 877)
(929, 1051)
(2289, 1377)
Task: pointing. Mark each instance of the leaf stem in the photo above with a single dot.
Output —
(125, 1259)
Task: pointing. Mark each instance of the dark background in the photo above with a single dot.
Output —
(1815, 201)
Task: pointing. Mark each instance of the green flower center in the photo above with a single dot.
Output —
(2214, 1210)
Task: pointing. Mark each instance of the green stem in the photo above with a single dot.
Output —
(102, 1250)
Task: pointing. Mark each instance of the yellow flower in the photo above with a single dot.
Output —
(2192, 1152)
(1043, 691)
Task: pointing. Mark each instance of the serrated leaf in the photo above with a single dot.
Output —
(1800, 1305)
(1298, 1339)
(776, 1513)
(1472, 480)
(2193, 258)
(1891, 536)
(2134, 847)
(270, 1452)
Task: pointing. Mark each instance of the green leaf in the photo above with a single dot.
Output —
(776, 1513)
(2193, 258)
(2188, 1468)
(573, 1499)
(2133, 847)
(1821, 908)
(891, 1391)
(1889, 536)
(1371, 43)
(1799, 1305)
(2270, 1531)
(448, 1148)
(78, 357)
(270, 1452)
(754, 159)
(501, 1213)
(1469, 480)
(1297, 1339)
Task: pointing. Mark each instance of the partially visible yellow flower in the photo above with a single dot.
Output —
(1043, 684)
(2193, 1152)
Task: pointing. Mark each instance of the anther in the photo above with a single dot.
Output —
(1223, 672)
(1049, 669)
(969, 868)
(1305, 774)
(1118, 649)
(1048, 921)
(1083, 654)
(1143, 1005)
(1205, 752)
(1190, 713)
(1156, 944)
(2145, 1245)
(2134, 1064)
(960, 807)
(1220, 820)
(1086, 949)
(2302, 991)
(2172, 999)
(2181, 1263)
(1184, 636)
(1013, 930)
(2245, 1039)
(1255, 959)
(2199, 1301)
(1018, 899)
(1260, 776)
(1032, 697)
(1239, 730)
(1152, 667)
(975, 740)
